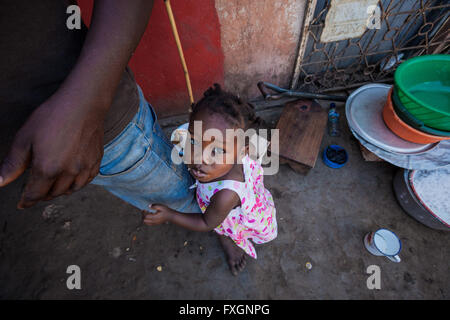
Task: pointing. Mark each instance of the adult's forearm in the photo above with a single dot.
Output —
(115, 31)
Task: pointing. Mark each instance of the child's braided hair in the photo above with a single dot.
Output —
(238, 112)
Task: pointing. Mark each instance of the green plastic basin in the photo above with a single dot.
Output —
(409, 119)
(423, 87)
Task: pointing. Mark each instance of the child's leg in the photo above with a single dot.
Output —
(235, 256)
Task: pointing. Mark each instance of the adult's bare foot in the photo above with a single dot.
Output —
(235, 255)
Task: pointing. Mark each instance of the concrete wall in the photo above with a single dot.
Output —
(233, 42)
(259, 42)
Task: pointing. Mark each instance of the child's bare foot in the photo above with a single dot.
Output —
(235, 255)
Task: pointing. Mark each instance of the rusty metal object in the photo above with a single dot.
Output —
(282, 93)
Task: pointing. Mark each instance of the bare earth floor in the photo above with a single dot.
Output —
(322, 219)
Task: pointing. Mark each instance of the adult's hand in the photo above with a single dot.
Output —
(62, 142)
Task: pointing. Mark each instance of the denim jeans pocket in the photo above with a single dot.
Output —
(163, 148)
(126, 154)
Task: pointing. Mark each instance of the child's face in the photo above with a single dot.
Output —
(204, 165)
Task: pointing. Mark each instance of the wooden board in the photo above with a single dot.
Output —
(368, 155)
(302, 126)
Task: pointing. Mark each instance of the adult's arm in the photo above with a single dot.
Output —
(62, 140)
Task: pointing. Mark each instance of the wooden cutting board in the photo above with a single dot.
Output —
(302, 125)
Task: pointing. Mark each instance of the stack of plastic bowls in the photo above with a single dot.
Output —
(418, 105)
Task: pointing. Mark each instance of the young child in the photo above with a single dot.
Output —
(231, 196)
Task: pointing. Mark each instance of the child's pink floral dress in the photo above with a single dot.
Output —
(255, 219)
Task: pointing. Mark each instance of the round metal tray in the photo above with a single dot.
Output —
(437, 157)
(364, 109)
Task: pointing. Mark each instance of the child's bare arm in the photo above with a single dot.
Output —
(220, 206)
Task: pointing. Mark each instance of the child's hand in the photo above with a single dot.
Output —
(162, 214)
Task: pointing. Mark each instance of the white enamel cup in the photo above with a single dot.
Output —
(383, 242)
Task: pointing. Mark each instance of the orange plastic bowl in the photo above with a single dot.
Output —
(402, 129)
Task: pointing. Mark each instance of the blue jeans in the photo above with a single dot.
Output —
(137, 166)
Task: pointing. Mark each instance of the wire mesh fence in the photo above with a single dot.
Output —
(406, 29)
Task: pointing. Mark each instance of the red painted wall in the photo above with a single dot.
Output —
(156, 64)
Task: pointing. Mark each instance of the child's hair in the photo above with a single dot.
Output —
(239, 113)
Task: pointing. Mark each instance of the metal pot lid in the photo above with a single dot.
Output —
(364, 112)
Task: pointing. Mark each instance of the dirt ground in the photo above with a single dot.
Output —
(322, 218)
